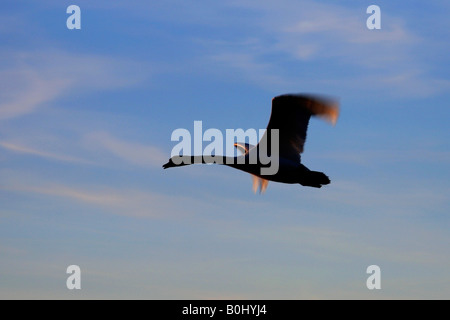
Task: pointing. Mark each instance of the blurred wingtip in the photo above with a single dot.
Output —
(331, 113)
(334, 113)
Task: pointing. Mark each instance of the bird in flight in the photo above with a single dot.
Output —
(287, 129)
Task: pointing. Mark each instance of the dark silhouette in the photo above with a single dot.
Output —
(290, 115)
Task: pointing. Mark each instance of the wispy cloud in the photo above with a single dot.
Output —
(293, 36)
(252, 68)
(29, 80)
(25, 90)
(129, 151)
(392, 156)
(125, 202)
(397, 198)
(43, 154)
(89, 147)
(329, 244)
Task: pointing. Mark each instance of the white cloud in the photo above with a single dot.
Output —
(333, 40)
(125, 202)
(23, 90)
(20, 148)
(385, 156)
(328, 244)
(131, 152)
(91, 146)
(258, 72)
(30, 80)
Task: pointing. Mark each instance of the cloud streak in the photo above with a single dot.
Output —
(25, 90)
(30, 80)
(43, 154)
(132, 203)
(295, 37)
(131, 152)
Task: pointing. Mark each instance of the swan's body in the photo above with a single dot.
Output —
(290, 115)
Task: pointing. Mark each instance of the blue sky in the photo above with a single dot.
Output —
(86, 118)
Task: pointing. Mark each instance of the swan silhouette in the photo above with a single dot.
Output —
(290, 115)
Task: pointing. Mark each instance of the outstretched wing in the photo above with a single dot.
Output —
(290, 115)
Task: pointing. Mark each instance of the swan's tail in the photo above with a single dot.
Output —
(315, 179)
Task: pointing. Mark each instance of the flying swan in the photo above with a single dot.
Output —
(290, 115)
